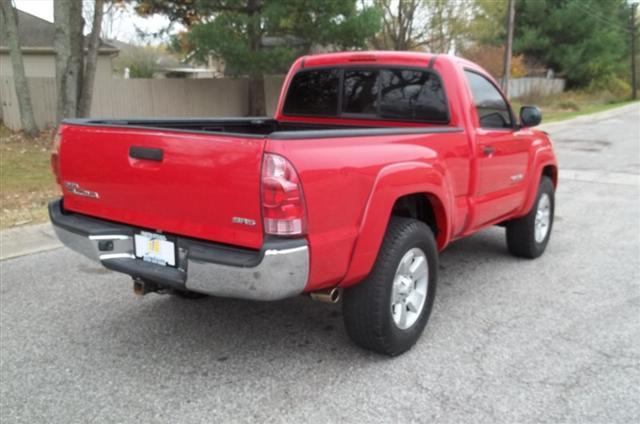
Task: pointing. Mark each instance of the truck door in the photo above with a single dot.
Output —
(501, 153)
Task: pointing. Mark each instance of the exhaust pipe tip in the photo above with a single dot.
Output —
(332, 295)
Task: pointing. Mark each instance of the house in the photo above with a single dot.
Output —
(36, 41)
(135, 61)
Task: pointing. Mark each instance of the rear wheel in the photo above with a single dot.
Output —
(387, 312)
(527, 237)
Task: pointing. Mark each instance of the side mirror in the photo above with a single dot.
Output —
(530, 116)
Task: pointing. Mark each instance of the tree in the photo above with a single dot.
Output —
(486, 26)
(434, 25)
(86, 92)
(583, 40)
(75, 72)
(9, 20)
(400, 25)
(447, 25)
(257, 37)
(69, 46)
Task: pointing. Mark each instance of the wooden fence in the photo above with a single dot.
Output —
(535, 86)
(143, 98)
(156, 98)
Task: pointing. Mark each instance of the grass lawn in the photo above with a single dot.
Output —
(26, 181)
(569, 104)
(559, 115)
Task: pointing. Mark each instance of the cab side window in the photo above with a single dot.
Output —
(493, 110)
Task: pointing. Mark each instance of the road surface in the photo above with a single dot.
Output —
(551, 340)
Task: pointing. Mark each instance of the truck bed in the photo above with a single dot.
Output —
(232, 126)
(261, 127)
(153, 173)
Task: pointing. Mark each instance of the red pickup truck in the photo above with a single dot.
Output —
(373, 163)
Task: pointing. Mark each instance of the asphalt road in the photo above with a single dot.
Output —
(551, 340)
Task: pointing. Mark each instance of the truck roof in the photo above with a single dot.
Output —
(381, 57)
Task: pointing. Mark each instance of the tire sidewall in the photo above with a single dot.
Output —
(546, 186)
(422, 239)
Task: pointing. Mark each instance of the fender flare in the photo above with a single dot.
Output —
(393, 182)
(542, 158)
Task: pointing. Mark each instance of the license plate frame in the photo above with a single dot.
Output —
(155, 248)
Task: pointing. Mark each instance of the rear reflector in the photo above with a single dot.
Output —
(283, 207)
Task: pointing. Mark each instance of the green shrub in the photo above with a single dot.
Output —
(610, 88)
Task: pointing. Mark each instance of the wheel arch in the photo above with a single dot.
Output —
(548, 168)
(413, 190)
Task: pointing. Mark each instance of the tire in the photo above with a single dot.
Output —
(370, 317)
(522, 240)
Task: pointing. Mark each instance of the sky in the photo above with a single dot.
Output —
(124, 26)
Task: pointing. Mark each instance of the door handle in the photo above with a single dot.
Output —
(488, 150)
(146, 153)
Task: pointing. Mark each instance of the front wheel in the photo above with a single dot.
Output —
(387, 312)
(527, 237)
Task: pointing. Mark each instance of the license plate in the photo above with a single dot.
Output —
(155, 248)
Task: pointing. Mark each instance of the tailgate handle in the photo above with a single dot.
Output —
(146, 153)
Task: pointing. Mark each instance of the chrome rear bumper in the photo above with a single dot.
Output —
(279, 270)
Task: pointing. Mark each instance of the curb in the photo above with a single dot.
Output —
(21, 241)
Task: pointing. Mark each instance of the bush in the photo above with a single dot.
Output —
(613, 87)
(491, 59)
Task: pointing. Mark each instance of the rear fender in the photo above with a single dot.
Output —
(393, 182)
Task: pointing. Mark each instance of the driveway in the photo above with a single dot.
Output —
(551, 340)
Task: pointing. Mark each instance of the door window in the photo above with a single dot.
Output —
(493, 110)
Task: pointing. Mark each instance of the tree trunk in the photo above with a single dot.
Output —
(257, 105)
(508, 50)
(86, 93)
(9, 20)
(256, 78)
(69, 46)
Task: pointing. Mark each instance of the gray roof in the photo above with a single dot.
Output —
(38, 34)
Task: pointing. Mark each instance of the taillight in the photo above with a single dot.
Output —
(283, 207)
(55, 158)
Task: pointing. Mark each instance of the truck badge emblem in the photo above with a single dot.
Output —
(75, 189)
(243, 221)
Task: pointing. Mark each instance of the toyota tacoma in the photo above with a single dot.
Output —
(373, 163)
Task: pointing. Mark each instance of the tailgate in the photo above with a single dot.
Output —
(186, 183)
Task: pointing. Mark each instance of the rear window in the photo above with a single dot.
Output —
(413, 95)
(360, 92)
(368, 93)
(313, 93)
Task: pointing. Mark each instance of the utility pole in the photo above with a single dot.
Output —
(634, 82)
(508, 50)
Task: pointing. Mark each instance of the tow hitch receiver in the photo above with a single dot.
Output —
(142, 287)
